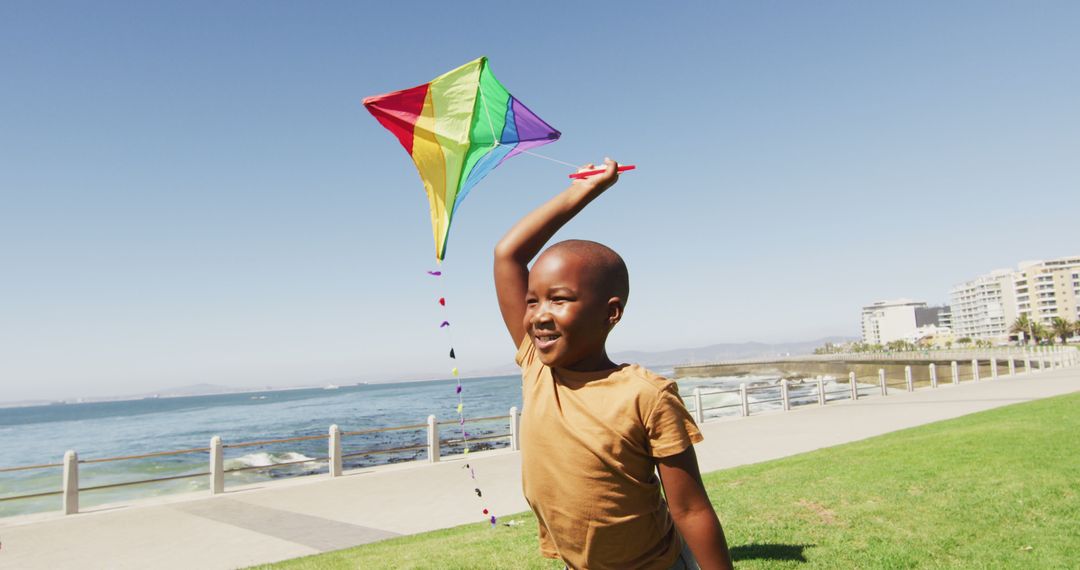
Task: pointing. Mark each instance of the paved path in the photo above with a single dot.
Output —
(285, 519)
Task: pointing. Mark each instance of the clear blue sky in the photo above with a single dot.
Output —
(193, 192)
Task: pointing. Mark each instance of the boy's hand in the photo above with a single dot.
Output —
(597, 183)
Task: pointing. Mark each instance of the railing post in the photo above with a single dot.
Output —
(1012, 366)
(907, 379)
(955, 372)
(699, 412)
(881, 381)
(821, 391)
(71, 482)
(745, 401)
(993, 368)
(432, 439)
(217, 467)
(515, 429)
(853, 386)
(933, 375)
(784, 394)
(335, 451)
(975, 370)
(1042, 362)
(1027, 362)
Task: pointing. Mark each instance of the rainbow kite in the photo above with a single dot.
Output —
(457, 128)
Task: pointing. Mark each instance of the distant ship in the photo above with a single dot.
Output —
(331, 387)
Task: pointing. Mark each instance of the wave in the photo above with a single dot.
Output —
(264, 459)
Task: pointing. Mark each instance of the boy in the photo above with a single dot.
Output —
(594, 433)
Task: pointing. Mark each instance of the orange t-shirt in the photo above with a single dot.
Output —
(589, 444)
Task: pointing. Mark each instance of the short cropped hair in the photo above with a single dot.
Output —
(607, 269)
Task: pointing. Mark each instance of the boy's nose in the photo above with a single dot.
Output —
(542, 315)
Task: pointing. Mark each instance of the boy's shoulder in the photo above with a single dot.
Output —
(660, 411)
(646, 386)
(646, 379)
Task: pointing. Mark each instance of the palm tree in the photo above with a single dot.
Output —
(1022, 325)
(1039, 332)
(1061, 328)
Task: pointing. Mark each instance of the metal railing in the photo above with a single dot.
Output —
(70, 488)
(1016, 362)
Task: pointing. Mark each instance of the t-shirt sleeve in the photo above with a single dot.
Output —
(670, 427)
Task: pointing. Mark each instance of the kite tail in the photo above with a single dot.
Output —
(458, 389)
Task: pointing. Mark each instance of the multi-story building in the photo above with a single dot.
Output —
(945, 317)
(886, 321)
(938, 316)
(985, 307)
(1048, 289)
(933, 325)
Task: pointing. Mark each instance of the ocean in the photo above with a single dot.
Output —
(41, 434)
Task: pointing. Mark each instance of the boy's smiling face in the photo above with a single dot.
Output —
(569, 312)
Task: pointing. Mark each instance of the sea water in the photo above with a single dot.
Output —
(41, 434)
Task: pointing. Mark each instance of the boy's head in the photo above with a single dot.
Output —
(577, 292)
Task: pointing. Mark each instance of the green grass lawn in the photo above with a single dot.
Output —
(998, 489)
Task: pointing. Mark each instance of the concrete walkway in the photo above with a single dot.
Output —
(286, 519)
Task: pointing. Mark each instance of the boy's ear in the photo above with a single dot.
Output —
(615, 311)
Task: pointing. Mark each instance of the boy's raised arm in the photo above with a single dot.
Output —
(517, 248)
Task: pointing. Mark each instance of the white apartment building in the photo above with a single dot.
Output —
(886, 321)
(984, 308)
(1048, 289)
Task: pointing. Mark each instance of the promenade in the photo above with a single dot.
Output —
(285, 519)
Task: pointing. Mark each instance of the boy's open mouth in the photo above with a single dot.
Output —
(544, 341)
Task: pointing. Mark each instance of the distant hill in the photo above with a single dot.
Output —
(710, 353)
(658, 359)
(727, 351)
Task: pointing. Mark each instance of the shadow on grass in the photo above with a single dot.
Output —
(768, 551)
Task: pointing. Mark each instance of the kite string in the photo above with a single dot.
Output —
(538, 155)
(495, 142)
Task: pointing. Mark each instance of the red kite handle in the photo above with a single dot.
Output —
(589, 173)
